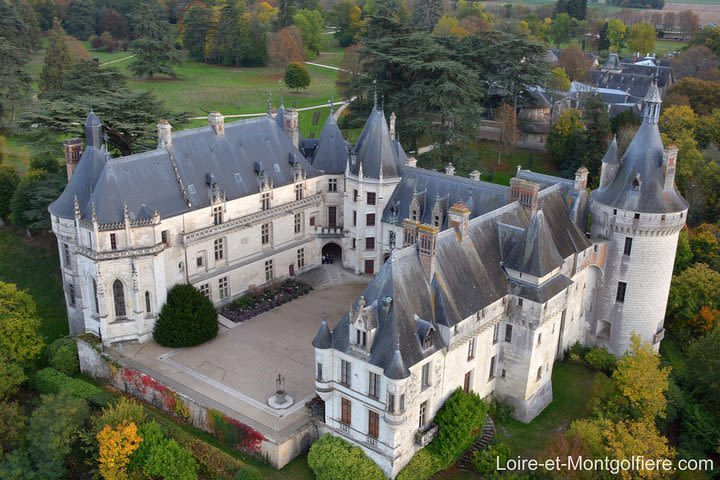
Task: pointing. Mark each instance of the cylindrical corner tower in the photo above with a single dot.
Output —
(640, 213)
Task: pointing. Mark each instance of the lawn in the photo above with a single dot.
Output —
(486, 161)
(33, 265)
(18, 153)
(571, 383)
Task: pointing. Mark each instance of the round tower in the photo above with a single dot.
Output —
(638, 210)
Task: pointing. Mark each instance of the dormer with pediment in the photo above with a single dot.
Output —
(363, 324)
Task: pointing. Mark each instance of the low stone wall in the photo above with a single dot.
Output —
(228, 430)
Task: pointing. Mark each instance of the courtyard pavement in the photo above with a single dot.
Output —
(235, 373)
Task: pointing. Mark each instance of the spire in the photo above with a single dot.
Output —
(374, 94)
(323, 339)
(269, 103)
(93, 130)
(651, 105)
(397, 369)
(331, 105)
(611, 155)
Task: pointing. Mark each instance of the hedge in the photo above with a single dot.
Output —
(422, 466)
(247, 472)
(62, 355)
(188, 318)
(332, 458)
(49, 380)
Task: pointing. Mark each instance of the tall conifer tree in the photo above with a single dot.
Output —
(57, 59)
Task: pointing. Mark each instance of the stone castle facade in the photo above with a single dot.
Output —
(475, 285)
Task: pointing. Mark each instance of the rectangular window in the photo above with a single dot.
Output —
(332, 217)
(491, 375)
(354, 218)
(199, 261)
(370, 243)
(319, 371)
(360, 338)
(301, 257)
(370, 221)
(637, 216)
(219, 249)
(425, 379)
(628, 246)
(354, 243)
(539, 374)
(391, 403)
(496, 333)
(164, 237)
(312, 221)
(422, 418)
(217, 214)
(508, 333)
(370, 267)
(355, 195)
(299, 191)
(401, 407)
(392, 240)
(223, 288)
(71, 294)
(466, 383)
(374, 385)
(332, 185)
(113, 241)
(620, 297)
(345, 372)
(66, 252)
(269, 272)
(265, 233)
(345, 411)
(265, 201)
(471, 349)
(539, 338)
(373, 424)
(298, 222)
(520, 302)
(205, 289)
(371, 198)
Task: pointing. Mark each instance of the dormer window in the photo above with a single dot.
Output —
(636, 182)
(414, 215)
(360, 338)
(428, 340)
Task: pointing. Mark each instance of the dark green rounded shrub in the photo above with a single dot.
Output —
(62, 355)
(601, 359)
(332, 458)
(486, 461)
(188, 318)
(248, 472)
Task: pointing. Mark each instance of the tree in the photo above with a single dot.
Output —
(704, 245)
(559, 140)
(188, 318)
(9, 180)
(642, 38)
(708, 36)
(115, 447)
(693, 288)
(458, 421)
(285, 47)
(509, 133)
(427, 13)
(696, 61)
(19, 324)
(677, 119)
(12, 423)
(310, 25)
(15, 81)
(332, 458)
(197, 21)
(297, 76)
(80, 19)
(169, 460)
(702, 96)
(36, 191)
(576, 64)
(449, 25)
(577, 9)
(683, 253)
(597, 135)
(154, 50)
(629, 439)
(12, 375)
(57, 59)
(114, 23)
(559, 31)
(231, 36)
(62, 355)
(346, 16)
(287, 13)
(616, 34)
(704, 354)
(559, 81)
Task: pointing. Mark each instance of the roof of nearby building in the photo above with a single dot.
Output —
(468, 277)
(375, 149)
(333, 152)
(151, 181)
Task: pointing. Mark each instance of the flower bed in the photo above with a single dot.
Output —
(257, 301)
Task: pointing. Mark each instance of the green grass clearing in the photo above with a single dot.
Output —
(32, 264)
(18, 154)
(571, 383)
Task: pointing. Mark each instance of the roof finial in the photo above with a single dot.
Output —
(397, 341)
(331, 104)
(382, 102)
(324, 315)
(375, 94)
(269, 102)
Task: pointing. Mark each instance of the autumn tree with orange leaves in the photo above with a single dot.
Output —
(116, 444)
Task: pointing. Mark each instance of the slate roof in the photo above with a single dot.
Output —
(635, 85)
(148, 181)
(332, 152)
(478, 196)
(323, 339)
(468, 277)
(375, 149)
(643, 158)
(611, 155)
(533, 251)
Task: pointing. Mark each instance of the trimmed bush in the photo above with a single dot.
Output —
(600, 358)
(49, 380)
(248, 472)
(332, 458)
(62, 355)
(576, 352)
(188, 318)
(459, 421)
(170, 461)
(486, 461)
(421, 467)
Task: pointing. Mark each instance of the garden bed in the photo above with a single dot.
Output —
(257, 301)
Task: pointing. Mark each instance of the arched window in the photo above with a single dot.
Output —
(147, 302)
(95, 296)
(119, 298)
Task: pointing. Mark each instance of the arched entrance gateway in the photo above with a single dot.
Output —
(332, 253)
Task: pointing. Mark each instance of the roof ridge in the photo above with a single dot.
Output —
(467, 180)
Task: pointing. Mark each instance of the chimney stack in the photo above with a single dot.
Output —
(459, 220)
(217, 122)
(525, 192)
(411, 160)
(73, 152)
(449, 169)
(164, 131)
(393, 118)
(475, 175)
(669, 165)
(580, 180)
(427, 239)
(291, 126)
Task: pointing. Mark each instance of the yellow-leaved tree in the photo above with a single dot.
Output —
(116, 444)
(641, 380)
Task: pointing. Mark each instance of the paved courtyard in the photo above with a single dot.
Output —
(236, 371)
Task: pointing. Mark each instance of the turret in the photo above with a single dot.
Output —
(609, 164)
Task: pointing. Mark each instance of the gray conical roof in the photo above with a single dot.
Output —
(93, 130)
(375, 149)
(81, 185)
(534, 250)
(332, 151)
(92, 120)
(323, 339)
(611, 156)
(280, 116)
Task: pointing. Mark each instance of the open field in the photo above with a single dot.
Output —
(706, 10)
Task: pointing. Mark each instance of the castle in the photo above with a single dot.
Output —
(475, 285)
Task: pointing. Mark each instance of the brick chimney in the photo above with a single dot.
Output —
(393, 119)
(217, 122)
(164, 131)
(580, 180)
(459, 219)
(73, 152)
(669, 165)
(291, 126)
(449, 169)
(525, 192)
(427, 238)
